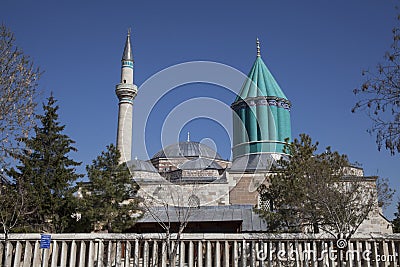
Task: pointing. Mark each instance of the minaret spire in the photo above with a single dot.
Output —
(258, 48)
(127, 55)
(126, 92)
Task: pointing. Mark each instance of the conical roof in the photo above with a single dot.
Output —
(260, 82)
(127, 55)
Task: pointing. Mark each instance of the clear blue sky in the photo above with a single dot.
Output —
(315, 49)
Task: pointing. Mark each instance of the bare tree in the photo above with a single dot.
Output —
(380, 97)
(384, 192)
(316, 192)
(13, 206)
(171, 207)
(343, 206)
(18, 89)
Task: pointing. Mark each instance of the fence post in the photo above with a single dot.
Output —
(394, 253)
(17, 256)
(191, 254)
(217, 258)
(181, 253)
(164, 254)
(72, 257)
(54, 254)
(226, 254)
(200, 254)
(9, 249)
(37, 254)
(27, 254)
(145, 254)
(82, 254)
(235, 257)
(118, 254)
(127, 253)
(136, 254)
(91, 254)
(154, 258)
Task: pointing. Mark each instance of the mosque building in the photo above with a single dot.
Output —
(191, 174)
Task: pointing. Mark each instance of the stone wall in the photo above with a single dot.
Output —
(243, 187)
(376, 223)
(212, 194)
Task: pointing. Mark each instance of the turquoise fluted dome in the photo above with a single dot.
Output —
(261, 117)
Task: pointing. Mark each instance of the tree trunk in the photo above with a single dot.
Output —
(109, 228)
(169, 252)
(6, 240)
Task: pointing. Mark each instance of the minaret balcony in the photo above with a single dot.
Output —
(126, 91)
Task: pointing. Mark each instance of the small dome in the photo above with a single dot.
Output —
(140, 165)
(187, 149)
(200, 164)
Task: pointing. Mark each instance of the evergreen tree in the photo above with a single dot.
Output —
(109, 200)
(396, 221)
(48, 173)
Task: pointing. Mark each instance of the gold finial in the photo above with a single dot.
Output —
(188, 136)
(258, 48)
(129, 31)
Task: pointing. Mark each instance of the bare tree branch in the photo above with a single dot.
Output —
(18, 90)
(379, 97)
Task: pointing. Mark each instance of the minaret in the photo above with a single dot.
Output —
(126, 92)
(261, 120)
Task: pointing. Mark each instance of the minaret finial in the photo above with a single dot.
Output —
(127, 55)
(258, 48)
(188, 137)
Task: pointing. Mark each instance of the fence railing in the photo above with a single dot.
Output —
(219, 250)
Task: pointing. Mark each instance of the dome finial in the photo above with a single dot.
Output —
(188, 137)
(129, 31)
(258, 48)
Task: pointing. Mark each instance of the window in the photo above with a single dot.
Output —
(264, 203)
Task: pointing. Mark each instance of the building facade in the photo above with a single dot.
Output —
(190, 173)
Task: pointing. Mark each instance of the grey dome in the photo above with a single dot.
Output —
(140, 165)
(187, 149)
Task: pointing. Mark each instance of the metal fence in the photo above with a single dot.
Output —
(219, 250)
